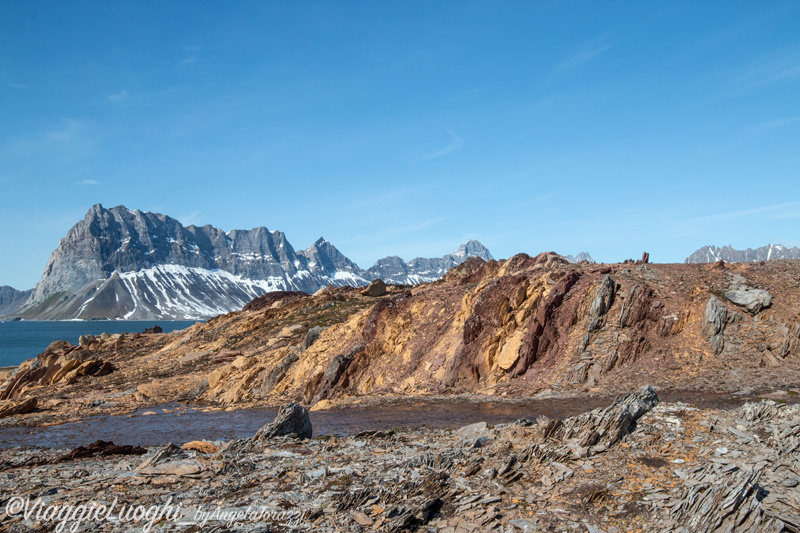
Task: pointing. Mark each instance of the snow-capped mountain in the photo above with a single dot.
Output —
(583, 256)
(122, 264)
(11, 299)
(712, 254)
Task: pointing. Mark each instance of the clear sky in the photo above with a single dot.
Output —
(405, 127)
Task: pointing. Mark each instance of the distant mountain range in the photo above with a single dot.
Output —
(11, 299)
(122, 264)
(712, 254)
(583, 256)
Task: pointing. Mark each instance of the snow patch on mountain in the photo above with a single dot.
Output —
(712, 254)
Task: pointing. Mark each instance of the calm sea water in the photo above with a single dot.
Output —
(23, 340)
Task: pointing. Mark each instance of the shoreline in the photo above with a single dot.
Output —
(634, 464)
(162, 425)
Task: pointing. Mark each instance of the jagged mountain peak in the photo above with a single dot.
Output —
(121, 263)
(729, 254)
(583, 256)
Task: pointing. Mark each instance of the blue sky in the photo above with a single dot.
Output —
(405, 127)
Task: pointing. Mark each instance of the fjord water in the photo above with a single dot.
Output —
(26, 339)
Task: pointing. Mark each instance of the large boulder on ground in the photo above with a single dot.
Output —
(754, 300)
(376, 288)
(292, 421)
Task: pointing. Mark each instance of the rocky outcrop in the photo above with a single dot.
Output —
(714, 319)
(522, 327)
(278, 373)
(602, 302)
(60, 363)
(18, 408)
(312, 336)
(292, 421)
(122, 264)
(596, 431)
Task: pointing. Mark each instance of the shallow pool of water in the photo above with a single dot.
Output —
(187, 424)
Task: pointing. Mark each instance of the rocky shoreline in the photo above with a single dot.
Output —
(634, 465)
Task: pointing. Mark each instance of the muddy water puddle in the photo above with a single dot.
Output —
(182, 424)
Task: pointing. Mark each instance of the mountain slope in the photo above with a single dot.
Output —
(515, 328)
(712, 254)
(11, 299)
(122, 264)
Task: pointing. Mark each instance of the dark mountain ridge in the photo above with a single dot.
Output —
(123, 264)
(712, 254)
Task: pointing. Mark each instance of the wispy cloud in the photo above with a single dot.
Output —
(72, 139)
(17, 85)
(190, 218)
(741, 213)
(411, 228)
(120, 96)
(773, 124)
(189, 60)
(88, 182)
(456, 143)
(774, 67)
(585, 53)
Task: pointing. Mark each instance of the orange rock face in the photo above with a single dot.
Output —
(513, 328)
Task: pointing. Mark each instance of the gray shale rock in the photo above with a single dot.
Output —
(714, 320)
(603, 300)
(610, 424)
(593, 432)
(292, 421)
(754, 300)
(312, 336)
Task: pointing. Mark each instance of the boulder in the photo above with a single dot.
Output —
(312, 336)
(714, 320)
(472, 430)
(292, 421)
(376, 288)
(754, 300)
(200, 446)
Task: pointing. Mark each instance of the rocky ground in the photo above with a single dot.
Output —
(635, 465)
(526, 327)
